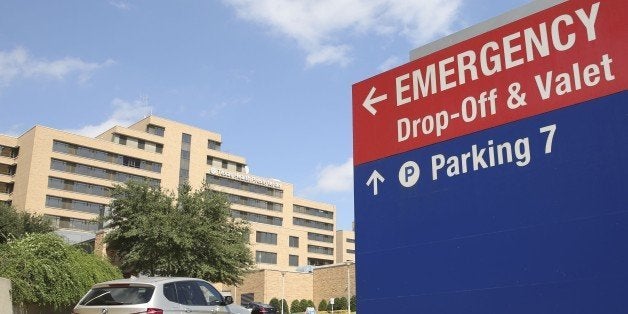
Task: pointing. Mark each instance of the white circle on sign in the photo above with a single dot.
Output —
(409, 174)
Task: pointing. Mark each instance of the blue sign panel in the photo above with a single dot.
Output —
(527, 217)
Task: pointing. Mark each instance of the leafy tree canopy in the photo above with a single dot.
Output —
(15, 224)
(191, 234)
(46, 271)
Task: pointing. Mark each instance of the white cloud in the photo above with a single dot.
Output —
(19, 64)
(122, 5)
(318, 25)
(335, 178)
(124, 114)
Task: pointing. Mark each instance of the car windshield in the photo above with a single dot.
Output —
(118, 295)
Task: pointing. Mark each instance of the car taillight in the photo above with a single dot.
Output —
(262, 310)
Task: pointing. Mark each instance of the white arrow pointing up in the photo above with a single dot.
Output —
(374, 179)
(370, 101)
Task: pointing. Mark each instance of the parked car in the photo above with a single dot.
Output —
(261, 308)
(310, 310)
(156, 295)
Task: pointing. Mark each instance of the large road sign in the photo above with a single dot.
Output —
(491, 173)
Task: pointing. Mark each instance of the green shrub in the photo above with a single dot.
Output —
(45, 270)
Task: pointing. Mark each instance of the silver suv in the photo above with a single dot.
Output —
(156, 295)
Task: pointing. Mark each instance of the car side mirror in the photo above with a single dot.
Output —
(228, 300)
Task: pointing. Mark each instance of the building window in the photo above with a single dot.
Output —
(350, 240)
(320, 249)
(262, 257)
(225, 164)
(320, 237)
(293, 241)
(266, 237)
(76, 150)
(8, 151)
(252, 202)
(244, 186)
(72, 223)
(318, 261)
(313, 211)
(265, 219)
(184, 160)
(155, 129)
(293, 260)
(214, 145)
(101, 173)
(79, 187)
(350, 251)
(71, 204)
(312, 224)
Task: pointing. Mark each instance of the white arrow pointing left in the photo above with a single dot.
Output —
(374, 179)
(370, 101)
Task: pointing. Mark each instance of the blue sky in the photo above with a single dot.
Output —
(273, 77)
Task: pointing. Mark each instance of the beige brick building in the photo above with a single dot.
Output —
(68, 178)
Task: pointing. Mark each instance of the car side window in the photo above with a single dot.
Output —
(189, 293)
(212, 296)
(170, 292)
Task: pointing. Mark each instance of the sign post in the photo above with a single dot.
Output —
(491, 173)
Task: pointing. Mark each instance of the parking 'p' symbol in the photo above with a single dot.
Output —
(409, 174)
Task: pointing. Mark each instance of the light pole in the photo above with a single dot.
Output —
(283, 289)
(349, 286)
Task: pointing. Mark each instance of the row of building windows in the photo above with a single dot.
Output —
(320, 237)
(80, 187)
(349, 240)
(8, 151)
(138, 143)
(76, 150)
(72, 223)
(184, 160)
(225, 164)
(319, 261)
(262, 257)
(265, 219)
(243, 186)
(313, 211)
(97, 172)
(72, 204)
(247, 201)
(320, 249)
(312, 224)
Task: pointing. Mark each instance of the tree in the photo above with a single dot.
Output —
(340, 303)
(15, 224)
(322, 306)
(46, 271)
(354, 303)
(274, 302)
(192, 234)
(286, 309)
(303, 305)
(295, 307)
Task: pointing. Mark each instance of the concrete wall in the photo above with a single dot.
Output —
(5, 296)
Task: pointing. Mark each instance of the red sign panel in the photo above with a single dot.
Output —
(555, 58)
